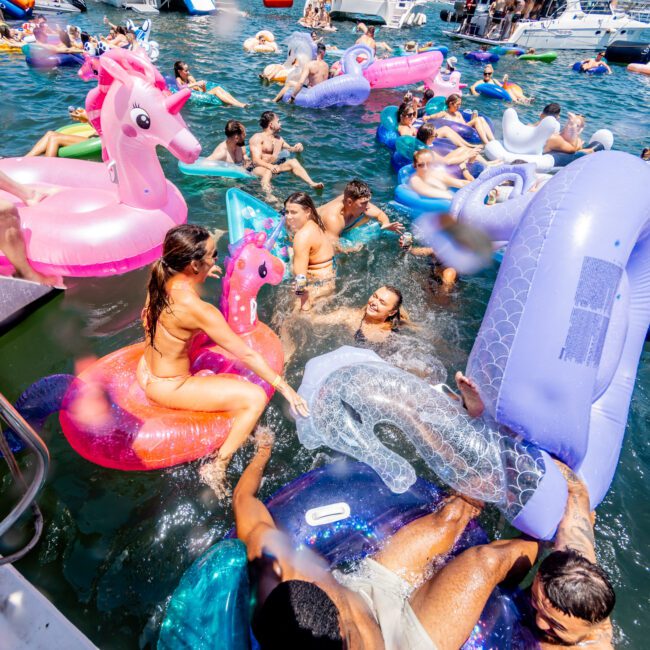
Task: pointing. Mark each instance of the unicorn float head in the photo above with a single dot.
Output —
(250, 265)
(111, 217)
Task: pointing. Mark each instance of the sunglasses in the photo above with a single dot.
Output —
(422, 164)
(410, 114)
(487, 74)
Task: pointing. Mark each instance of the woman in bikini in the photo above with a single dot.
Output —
(185, 79)
(478, 123)
(313, 251)
(406, 115)
(173, 314)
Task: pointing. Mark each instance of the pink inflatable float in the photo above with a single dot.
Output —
(448, 84)
(111, 217)
(404, 70)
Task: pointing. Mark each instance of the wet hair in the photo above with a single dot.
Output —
(321, 47)
(305, 201)
(645, 152)
(178, 66)
(418, 153)
(183, 244)
(396, 319)
(427, 95)
(120, 29)
(553, 109)
(298, 614)
(404, 107)
(425, 132)
(452, 99)
(266, 118)
(233, 127)
(356, 189)
(576, 586)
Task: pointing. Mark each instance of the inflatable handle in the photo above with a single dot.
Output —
(349, 63)
(496, 221)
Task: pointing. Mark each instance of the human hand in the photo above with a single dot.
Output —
(297, 148)
(393, 226)
(275, 169)
(34, 196)
(215, 272)
(296, 403)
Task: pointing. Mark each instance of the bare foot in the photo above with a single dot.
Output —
(471, 398)
(213, 474)
(48, 280)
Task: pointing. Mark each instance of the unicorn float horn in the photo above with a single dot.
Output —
(273, 237)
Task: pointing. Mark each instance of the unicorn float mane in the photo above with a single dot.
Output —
(135, 64)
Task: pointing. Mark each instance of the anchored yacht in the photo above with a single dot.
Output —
(392, 13)
(569, 25)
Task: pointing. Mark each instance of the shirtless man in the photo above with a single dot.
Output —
(313, 73)
(266, 147)
(590, 64)
(233, 148)
(389, 603)
(556, 142)
(352, 209)
(12, 243)
(313, 251)
(368, 38)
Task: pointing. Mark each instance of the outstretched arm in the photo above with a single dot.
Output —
(252, 518)
(576, 530)
(386, 224)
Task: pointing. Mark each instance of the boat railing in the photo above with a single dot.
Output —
(23, 430)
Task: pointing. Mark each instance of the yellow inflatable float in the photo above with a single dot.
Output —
(263, 43)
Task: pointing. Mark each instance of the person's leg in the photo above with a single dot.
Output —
(41, 146)
(59, 140)
(265, 176)
(449, 605)
(450, 134)
(298, 170)
(216, 393)
(486, 128)
(12, 245)
(226, 97)
(411, 549)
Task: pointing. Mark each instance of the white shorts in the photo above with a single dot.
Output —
(387, 596)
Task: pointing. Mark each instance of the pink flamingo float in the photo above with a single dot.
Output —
(135, 433)
(111, 217)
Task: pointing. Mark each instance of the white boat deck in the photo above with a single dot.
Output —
(29, 621)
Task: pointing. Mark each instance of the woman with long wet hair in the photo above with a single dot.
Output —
(173, 314)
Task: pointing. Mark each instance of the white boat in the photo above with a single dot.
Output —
(570, 25)
(392, 13)
(58, 6)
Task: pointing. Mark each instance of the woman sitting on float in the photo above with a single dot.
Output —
(173, 314)
(185, 79)
(453, 104)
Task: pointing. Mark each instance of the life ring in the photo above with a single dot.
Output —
(482, 57)
(493, 91)
(342, 511)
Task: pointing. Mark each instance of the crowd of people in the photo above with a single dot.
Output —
(391, 600)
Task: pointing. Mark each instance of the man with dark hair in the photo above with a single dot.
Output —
(352, 209)
(596, 62)
(553, 110)
(312, 73)
(233, 148)
(389, 602)
(266, 148)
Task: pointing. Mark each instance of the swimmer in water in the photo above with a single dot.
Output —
(233, 148)
(173, 314)
(353, 209)
(312, 73)
(598, 61)
(185, 79)
(265, 149)
(313, 252)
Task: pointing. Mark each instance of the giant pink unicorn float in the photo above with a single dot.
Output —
(110, 217)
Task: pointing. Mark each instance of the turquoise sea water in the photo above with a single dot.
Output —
(115, 544)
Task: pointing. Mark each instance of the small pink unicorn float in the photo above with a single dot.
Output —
(110, 217)
(143, 435)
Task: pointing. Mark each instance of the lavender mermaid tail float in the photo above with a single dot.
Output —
(554, 359)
